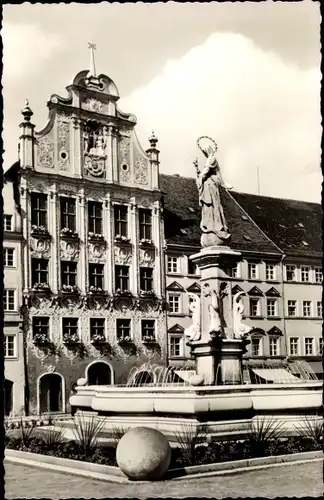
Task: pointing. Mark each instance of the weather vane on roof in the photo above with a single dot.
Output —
(92, 48)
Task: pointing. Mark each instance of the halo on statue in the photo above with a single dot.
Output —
(203, 137)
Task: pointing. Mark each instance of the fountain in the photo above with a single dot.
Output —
(221, 393)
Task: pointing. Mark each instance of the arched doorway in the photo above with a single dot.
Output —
(8, 385)
(99, 373)
(50, 393)
(143, 378)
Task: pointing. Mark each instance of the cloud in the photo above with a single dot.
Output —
(262, 112)
(26, 48)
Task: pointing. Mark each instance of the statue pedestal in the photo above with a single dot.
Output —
(219, 361)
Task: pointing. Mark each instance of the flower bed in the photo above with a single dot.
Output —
(215, 452)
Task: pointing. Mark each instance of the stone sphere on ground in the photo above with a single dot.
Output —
(143, 454)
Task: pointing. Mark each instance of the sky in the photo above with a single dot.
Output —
(246, 74)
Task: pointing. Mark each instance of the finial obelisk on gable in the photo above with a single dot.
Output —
(92, 70)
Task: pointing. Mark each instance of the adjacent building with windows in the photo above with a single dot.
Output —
(280, 271)
(14, 384)
(92, 265)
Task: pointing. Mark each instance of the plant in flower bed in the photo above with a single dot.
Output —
(148, 339)
(41, 287)
(70, 289)
(95, 290)
(97, 338)
(147, 293)
(69, 232)
(95, 236)
(146, 241)
(71, 338)
(123, 293)
(124, 340)
(39, 230)
(121, 239)
(41, 339)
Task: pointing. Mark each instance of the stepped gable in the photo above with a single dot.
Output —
(182, 217)
(294, 226)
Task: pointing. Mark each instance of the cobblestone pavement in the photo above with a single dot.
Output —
(298, 480)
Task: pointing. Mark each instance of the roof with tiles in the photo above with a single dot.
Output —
(294, 226)
(182, 218)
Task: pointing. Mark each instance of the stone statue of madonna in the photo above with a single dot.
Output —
(209, 180)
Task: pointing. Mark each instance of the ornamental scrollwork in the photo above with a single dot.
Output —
(123, 255)
(45, 152)
(146, 257)
(69, 250)
(40, 247)
(141, 171)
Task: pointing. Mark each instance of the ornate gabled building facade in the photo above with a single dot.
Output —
(280, 271)
(93, 303)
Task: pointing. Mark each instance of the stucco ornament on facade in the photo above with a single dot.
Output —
(146, 257)
(123, 255)
(94, 166)
(40, 247)
(141, 171)
(97, 252)
(94, 105)
(63, 141)
(45, 152)
(69, 250)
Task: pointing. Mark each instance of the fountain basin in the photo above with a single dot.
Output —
(227, 411)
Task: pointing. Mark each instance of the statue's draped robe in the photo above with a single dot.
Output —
(212, 215)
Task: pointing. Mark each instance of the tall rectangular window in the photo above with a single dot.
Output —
(97, 328)
(121, 214)
(96, 276)
(307, 308)
(8, 257)
(270, 272)
(294, 346)
(256, 346)
(7, 222)
(174, 303)
(272, 307)
(319, 309)
(94, 217)
(145, 224)
(146, 279)
(320, 345)
(309, 346)
(173, 265)
(318, 275)
(255, 309)
(148, 329)
(41, 327)
(9, 300)
(291, 274)
(39, 271)
(122, 278)
(123, 328)
(253, 271)
(70, 329)
(68, 213)
(10, 346)
(234, 271)
(68, 273)
(292, 307)
(175, 347)
(305, 273)
(193, 269)
(39, 209)
(274, 346)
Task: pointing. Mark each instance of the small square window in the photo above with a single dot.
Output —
(176, 347)
(256, 346)
(7, 222)
(9, 300)
(8, 257)
(10, 346)
(174, 303)
(307, 308)
(253, 271)
(292, 308)
(173, 265)
(270, 272)
(294, 346)
(123, 329)
(291, 273)
(305, 274)
(309, 346)
(274, 346)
